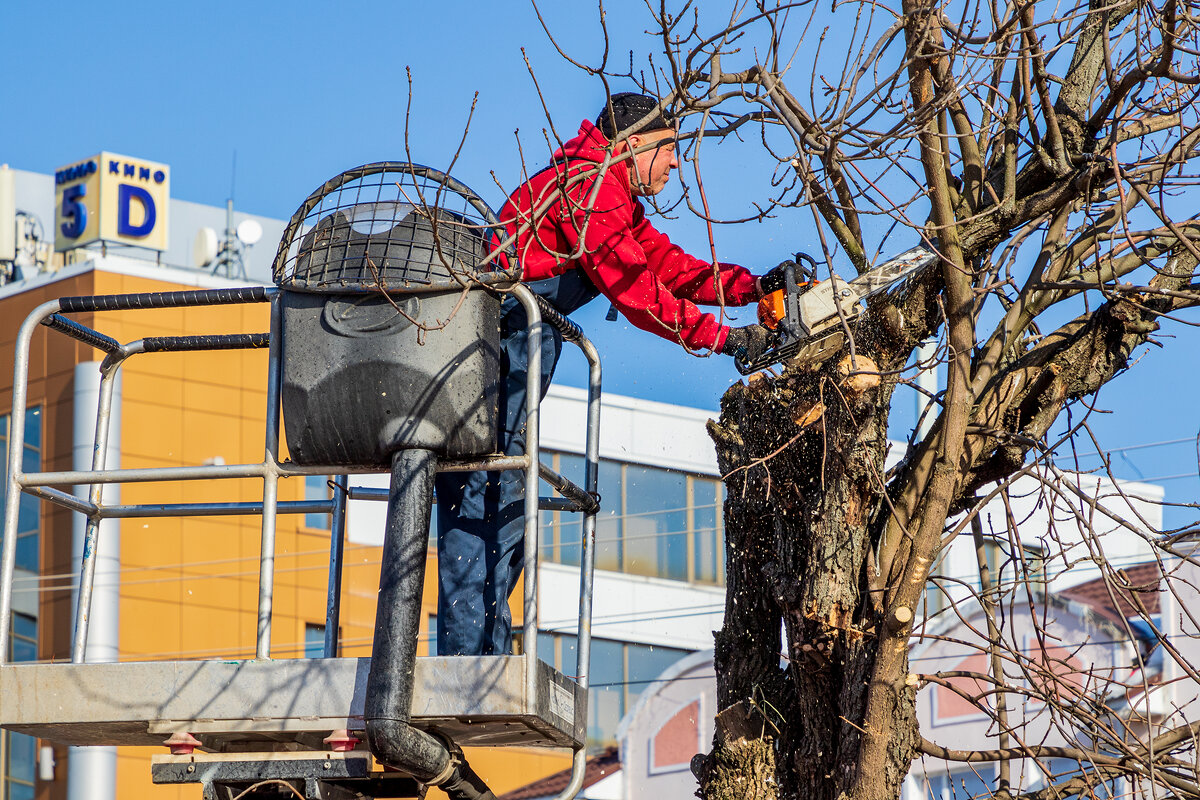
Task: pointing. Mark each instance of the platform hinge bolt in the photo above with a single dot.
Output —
(182, 743)
(341, 741)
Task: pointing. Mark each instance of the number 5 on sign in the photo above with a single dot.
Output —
(74, 213)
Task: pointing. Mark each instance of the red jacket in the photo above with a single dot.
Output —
(652, 281)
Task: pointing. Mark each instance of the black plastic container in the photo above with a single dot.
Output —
(361, 380)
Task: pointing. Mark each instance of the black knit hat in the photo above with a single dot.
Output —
(626, 108)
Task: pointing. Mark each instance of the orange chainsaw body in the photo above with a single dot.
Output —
(771, 308)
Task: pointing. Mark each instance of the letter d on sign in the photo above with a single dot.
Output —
(126, 193)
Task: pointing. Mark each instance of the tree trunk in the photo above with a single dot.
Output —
(803, 456)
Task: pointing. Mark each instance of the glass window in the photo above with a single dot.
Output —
(655, 522)
(316, 487)
(314, 640)
(33, 428)
(22, 758)
(646, 664)
(609, 520)
(652, 521)
(570, 523)
(546, 526)
(570, 466)
(1047, 772)
(20, 751)
(24, 627)
(708, 540)
(567, 653)
(545, 649)
(1033, 562)
(23, 642)
(935, 600)
(29, 510)
(606, 705)
(960, 785)
(549, 521)
(620, 672)
(24, 650)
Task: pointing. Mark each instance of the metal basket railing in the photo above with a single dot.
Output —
(394, 227)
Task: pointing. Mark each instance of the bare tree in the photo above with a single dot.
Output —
(1044, 152)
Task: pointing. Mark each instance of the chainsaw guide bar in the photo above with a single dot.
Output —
(811, 327)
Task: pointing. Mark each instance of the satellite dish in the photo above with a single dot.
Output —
(249, 231)
(204, 248)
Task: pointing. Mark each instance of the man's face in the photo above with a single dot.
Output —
(652, 167)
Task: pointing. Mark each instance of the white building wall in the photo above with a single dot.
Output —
(1179, 694)
(632, 608)
(631, 429)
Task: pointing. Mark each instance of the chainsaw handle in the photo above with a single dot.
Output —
(810, 274)
(785, 309)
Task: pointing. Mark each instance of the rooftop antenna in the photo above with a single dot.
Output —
(227, 258)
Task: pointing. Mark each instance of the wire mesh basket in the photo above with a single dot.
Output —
(391, 227)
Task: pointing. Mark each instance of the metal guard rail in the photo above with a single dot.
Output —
(49, 314)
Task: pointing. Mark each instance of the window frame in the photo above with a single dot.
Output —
(317, 520)
(29, 520)
(616, 557)
(7, 779)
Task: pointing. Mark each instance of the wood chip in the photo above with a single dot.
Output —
(807, 414)
(859, 376)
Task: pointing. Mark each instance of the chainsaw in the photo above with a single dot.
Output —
(807, 315)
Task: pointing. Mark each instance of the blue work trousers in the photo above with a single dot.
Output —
(481, 515)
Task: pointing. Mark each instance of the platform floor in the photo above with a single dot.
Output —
(283, 704)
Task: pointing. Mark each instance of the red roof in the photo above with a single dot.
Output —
(599, 766)
(1141, 581)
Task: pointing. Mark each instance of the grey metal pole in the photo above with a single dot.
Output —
(927, 379)
(145, 474)
(247, 509)
(578, 769)
(591, 476)
(591, 482)
(69, 501)
(337, 539)
(231, 471)
(266, 568)
(533, 401)
(87, 579)
(16, 444)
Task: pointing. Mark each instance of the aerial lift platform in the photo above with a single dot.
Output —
(383, 240)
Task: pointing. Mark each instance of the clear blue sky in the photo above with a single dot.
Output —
(303, 90)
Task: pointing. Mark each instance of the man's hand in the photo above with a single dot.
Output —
(747, 343)
(776, 278)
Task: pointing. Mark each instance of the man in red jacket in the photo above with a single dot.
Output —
(581, 232)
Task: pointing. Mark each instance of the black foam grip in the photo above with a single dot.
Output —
(569, 330)
(82, 333)
(233, 341)
(587, 503)
(197, 297)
